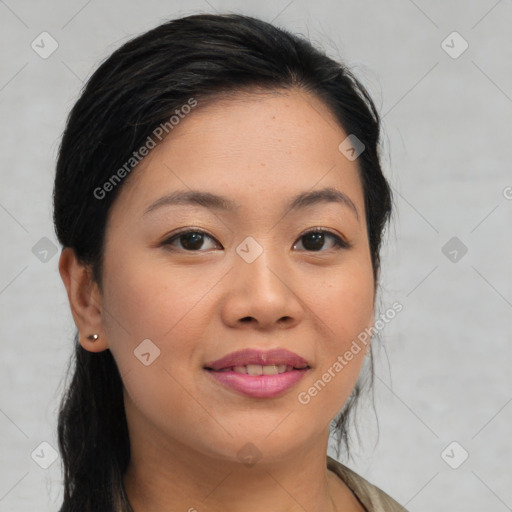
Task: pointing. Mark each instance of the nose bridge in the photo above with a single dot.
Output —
(260, 288)
(259, 260)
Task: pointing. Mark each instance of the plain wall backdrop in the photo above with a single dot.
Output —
(441, 76)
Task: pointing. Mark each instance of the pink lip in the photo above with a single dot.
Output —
(251, 356)
(259, 386)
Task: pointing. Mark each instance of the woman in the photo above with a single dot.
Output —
(220, 203)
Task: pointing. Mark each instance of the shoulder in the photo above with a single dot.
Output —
(373, 498)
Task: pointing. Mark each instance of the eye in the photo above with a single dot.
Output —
(315, 239)
(193, 240)
(190, 240)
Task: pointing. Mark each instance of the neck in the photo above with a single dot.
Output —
(169, 476)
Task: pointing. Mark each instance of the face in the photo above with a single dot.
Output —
(200, 281)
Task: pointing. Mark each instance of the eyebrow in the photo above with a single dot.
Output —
(217, 202)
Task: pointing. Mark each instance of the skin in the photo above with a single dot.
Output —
(185, 429)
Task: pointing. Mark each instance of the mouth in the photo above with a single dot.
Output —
(258, 374)
(258, 362)
(256, 369)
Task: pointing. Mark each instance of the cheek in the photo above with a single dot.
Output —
(150, 299)
(344, 308)
(345, 302)
(163, 303)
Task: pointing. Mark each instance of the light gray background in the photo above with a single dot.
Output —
(444, 374)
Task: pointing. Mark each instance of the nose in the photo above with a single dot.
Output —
(262, 295)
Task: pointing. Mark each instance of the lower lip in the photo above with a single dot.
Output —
(259, 386)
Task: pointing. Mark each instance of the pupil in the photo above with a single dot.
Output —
(192, 240)
(318, 241)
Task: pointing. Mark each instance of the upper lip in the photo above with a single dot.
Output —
(278, 356)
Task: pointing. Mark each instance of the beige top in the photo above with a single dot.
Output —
(371, 497)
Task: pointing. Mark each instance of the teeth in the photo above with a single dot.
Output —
(270, 370)
(257, 369)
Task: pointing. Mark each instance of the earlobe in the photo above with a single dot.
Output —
(84, 300)
(92, 342)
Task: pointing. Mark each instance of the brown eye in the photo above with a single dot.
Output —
(191, 240)
(315, 240)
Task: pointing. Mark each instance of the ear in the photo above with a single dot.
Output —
(84, 299)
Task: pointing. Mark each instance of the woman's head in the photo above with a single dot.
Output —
(226, 106)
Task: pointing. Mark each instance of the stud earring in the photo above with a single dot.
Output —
(92, 337)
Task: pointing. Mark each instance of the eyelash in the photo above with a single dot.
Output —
(339, 242)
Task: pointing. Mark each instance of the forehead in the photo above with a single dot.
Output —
(255, 147)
